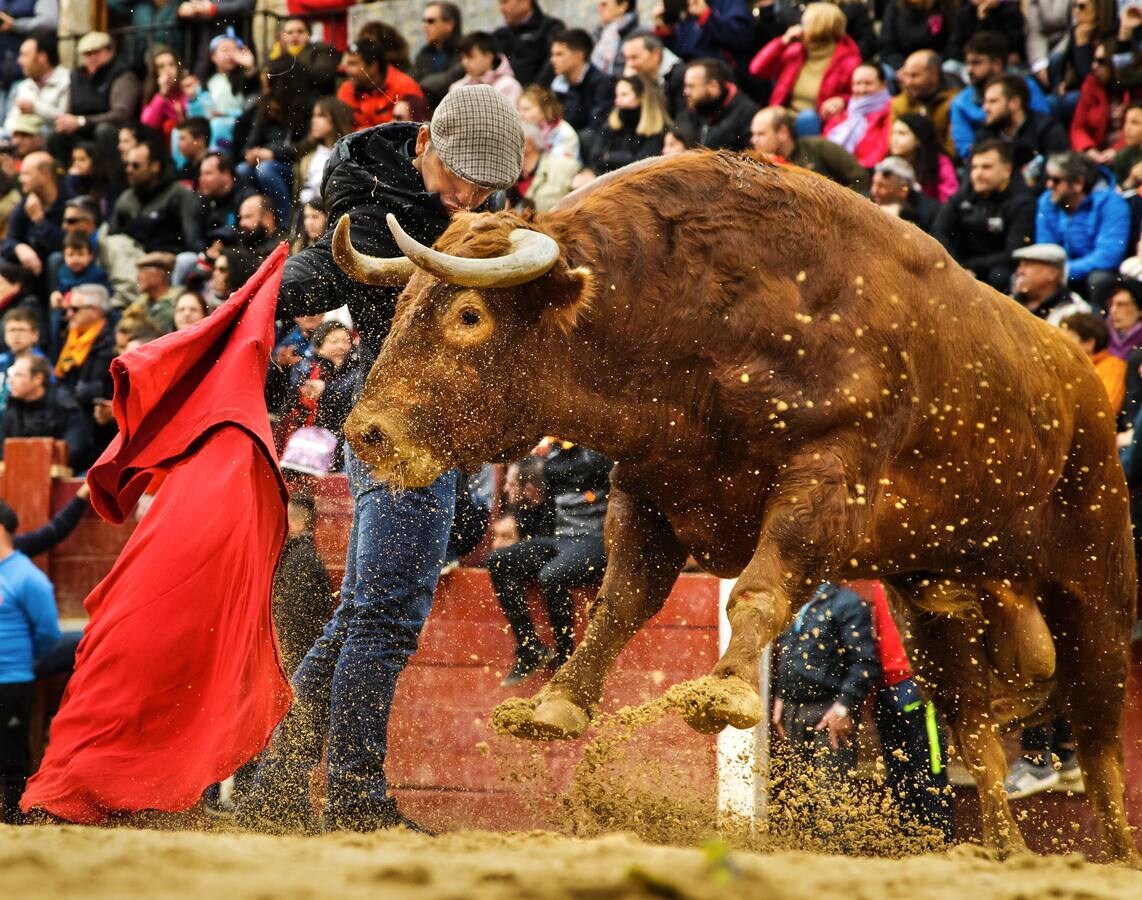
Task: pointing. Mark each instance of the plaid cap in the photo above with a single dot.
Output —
(478, 136)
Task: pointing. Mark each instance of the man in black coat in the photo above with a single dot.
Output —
(37, 408)
(717, 112)
(525, 38)
(344, 686)
(585, 93)
(990, 216)
(437, 64)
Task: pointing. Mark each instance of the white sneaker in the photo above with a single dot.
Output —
(1025, 779)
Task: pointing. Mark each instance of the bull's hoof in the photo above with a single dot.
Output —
(540, 719)
(709, 704)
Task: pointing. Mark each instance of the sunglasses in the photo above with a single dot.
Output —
(428, 21)
(135, 165)
(1053, 179)
(73, 220)
(79, 307)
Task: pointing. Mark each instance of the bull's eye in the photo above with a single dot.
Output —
(470, 317)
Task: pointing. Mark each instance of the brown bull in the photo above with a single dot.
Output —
(796, 388)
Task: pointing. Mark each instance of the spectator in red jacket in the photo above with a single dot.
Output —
(377, 92)
(1096, 128)
(812, 66)
(863, 127)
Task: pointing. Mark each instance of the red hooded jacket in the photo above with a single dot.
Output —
(781, 63)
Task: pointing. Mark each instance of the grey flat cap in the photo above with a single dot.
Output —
(478, 136)
(1052, 254)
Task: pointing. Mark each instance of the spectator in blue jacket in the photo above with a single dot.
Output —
(1081, 212)
(29, 627)
(985, 56)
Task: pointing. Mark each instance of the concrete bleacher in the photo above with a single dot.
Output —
(447, 767)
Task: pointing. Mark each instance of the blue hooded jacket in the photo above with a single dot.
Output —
(1094, 235)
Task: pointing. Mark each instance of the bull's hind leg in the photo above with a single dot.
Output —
(803, 530)
(1093, 648)
(951, 663)
(643, 561)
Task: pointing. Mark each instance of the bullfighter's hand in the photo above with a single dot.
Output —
(778, 709)
(839, 724)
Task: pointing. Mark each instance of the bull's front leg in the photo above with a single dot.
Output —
(803, 531)
(643, 561)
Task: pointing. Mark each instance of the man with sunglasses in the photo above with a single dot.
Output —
(437, 64)
(1081, 212)
(344, 687)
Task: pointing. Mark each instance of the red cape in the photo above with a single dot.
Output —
(177, 679)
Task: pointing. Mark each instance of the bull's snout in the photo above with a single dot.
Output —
(394, 458)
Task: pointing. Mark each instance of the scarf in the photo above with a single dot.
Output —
(76, 348)
(850, 131)
(608, 45)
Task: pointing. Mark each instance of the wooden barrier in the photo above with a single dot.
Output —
(446, 767)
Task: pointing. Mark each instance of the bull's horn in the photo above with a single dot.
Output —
(532, 255)
(374, 270)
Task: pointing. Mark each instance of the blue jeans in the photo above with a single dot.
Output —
(274, 180)
(344, 687)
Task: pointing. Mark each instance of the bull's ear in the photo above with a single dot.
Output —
(568, 296)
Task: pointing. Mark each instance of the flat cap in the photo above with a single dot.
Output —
(1052, 254)
(158, 260)
(898, 167)
(478, 136)
(93, 40)
(27, 123)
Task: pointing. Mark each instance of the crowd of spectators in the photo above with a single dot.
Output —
(141, 183)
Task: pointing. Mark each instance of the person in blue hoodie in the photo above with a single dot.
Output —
(1082, 213)
(29, 627)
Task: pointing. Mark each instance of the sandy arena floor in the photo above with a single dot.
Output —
(51, 862)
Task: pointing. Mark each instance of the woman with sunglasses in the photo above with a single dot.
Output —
(1097, 127)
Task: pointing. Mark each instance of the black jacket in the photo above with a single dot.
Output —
(369, 174)
(528, 46)
(906, 29)
(436, 68)
(55, 415)
(164, 216)
(578, 481)
(921, 210)
(728, 127)
(586, 104)
(615, 149)
(1039, 134)
(1005, 19)
(981, 232)
(302, 600)
(829, 652)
